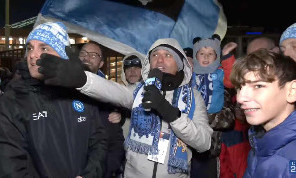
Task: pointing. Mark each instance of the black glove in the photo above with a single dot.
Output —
(61, 72)
(158, 103)
(23, 70)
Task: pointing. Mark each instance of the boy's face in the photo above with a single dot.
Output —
(34, 49)
(206, 56)
(264, 103)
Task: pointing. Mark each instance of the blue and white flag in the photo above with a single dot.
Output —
(129, 25)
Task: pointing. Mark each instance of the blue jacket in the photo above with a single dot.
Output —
(215, 102)
(271, 153)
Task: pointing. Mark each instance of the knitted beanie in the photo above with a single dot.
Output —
(176, 54)
(290, 32)
(53, 34)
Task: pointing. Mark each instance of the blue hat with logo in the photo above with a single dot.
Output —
(290, 32)
(53, 34)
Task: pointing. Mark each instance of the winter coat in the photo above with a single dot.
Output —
(234, 152)
(196, 133)
(273, 151)
(49, 132)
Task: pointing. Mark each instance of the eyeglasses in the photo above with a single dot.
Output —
(133, 62)
(92, 55)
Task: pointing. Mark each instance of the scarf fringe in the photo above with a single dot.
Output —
(140, 147)
(177, 165)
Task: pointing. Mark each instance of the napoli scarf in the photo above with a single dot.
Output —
(146, 127)
(204, 84)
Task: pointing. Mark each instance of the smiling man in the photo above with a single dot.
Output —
(48, 131)
(266, 91)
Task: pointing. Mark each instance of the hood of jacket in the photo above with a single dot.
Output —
(139, 55)
(174, 43)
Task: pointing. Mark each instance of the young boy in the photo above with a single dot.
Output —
(208, 74)
(266, 90)
(208, 78)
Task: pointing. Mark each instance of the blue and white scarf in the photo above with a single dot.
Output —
(146, 127)
(204, 84)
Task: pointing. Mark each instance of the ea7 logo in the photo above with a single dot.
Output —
(37, 116)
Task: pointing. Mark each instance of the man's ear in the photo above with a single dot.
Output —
(291, 95)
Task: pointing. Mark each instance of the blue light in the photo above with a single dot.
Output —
(253, 33)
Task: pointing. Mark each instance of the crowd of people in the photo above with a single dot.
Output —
(193, 111)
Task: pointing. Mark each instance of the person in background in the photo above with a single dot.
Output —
(266, 91)
(208, 78)
(288, 42)
(131, 76)
(235, 147)
(91, 56)
(5, 77)
(262, 43)
(48, 131)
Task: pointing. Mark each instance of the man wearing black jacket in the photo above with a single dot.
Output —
(49, 131)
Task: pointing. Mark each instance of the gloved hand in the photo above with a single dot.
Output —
(22, 69)
(159, 104)
(61, 72)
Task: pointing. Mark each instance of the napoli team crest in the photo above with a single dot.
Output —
(78, 106)
(214, 76)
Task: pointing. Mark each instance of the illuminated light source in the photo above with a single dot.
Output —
(253, 33)
(21, 40)
(84, 38)
(72, 41)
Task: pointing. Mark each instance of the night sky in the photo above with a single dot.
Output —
(273, 16)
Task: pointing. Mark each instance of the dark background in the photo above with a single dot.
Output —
(274, 16)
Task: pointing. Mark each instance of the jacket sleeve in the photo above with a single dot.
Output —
(227, 67)
(15, 160)
(97, 150)
(196, 132)
(107, 91)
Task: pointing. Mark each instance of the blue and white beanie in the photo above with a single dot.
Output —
(53, 34)
(290, 32)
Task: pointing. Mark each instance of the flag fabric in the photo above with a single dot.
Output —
(128, 25)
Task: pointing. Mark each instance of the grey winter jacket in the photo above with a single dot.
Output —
(196, 133)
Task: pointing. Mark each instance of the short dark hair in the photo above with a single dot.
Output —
(269, 66)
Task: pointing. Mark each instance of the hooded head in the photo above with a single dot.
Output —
(53, 34)
(214, 43)
(172, 47)
(130, 61)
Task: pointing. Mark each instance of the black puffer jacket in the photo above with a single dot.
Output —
(49, 132)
